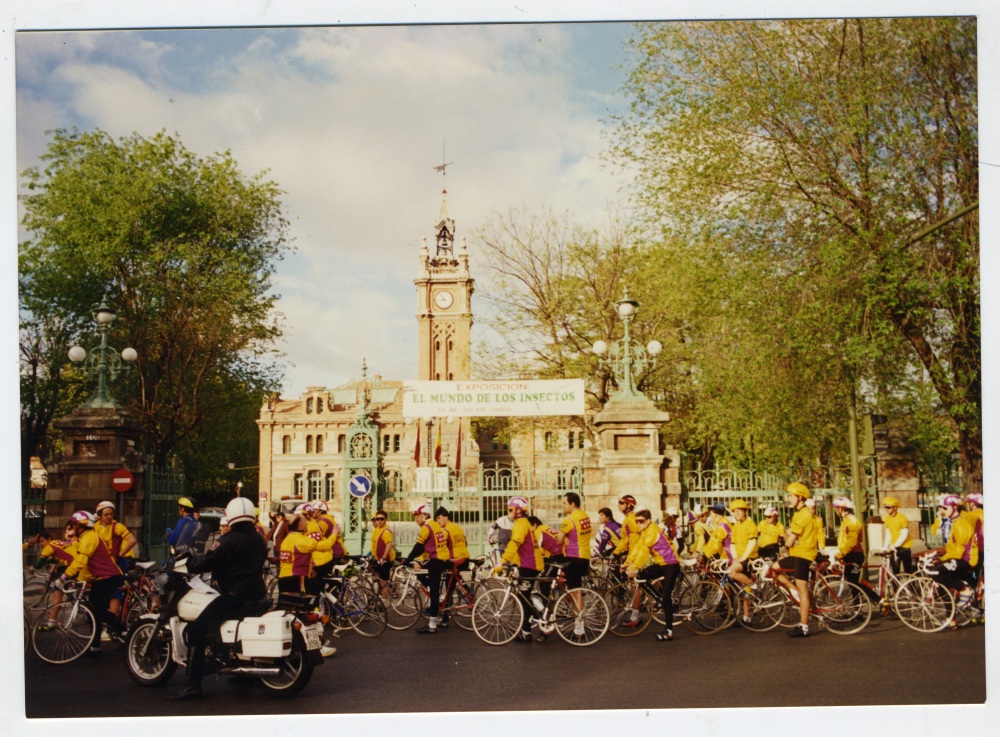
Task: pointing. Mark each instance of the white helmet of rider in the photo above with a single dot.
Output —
(424, 509)
(843, 502)
(321, 506)
(305, 508)
(771, 512)
(240, 509)
(105, 505)
(976, 499)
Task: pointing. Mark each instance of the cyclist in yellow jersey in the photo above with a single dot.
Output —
(974, 503)
(655, 548)
(801, 541)
(850, 547)
(770, 533)
(629, 532)
(955, 567)
(698, 519)
(323, 531)
(896, 534)
(744, 532)
(383, 551)
(459, 546)
(432, 540)
(60, 553)
(522, 551)
(295, 555)
(119, 542)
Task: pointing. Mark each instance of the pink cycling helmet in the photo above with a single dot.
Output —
(950, 500)
(976, 499)
(82, 517)
(517, 502)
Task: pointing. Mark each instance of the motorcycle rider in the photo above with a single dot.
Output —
(236, 564)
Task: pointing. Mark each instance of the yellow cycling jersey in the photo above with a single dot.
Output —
(324, 542)
(629, 534)
(745, 539)
(962, 542)
(803, 526)
(113, 536)
(894, 524)
(434, 538)
(459, 547)
(382, 548)
(295, 556)
(850, 536)
(523, 550)
(701, 534)
(576, 529)
(652, 546)
(769, 533)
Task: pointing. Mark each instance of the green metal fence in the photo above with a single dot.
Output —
(163, 486)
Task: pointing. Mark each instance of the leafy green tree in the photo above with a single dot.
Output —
(184, 248)
(819, 155)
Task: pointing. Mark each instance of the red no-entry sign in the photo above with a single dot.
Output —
(122, 480)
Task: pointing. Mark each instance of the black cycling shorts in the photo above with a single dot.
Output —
(799, 566)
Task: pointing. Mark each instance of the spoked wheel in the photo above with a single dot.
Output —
(844, 607)
(149, 664)
(924, 605)
(402, 606)
(364, 611)
(581, 616)
(703, 607)
(496, 616)
(619, 599)
(68, 638)
(296, 670)
(273, 593)
(766, 603)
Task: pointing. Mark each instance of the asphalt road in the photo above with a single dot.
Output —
(886, 664)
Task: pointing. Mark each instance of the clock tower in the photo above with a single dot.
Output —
(444, 304)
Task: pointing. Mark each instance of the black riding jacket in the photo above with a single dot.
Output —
(237, 563)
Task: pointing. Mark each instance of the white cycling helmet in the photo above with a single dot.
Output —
(424, 509)
(321, 506)
(843, 501)
(105, 505)
(517, 502)
(240, 509)
(976, 499)
(771, 512)
(304, 508)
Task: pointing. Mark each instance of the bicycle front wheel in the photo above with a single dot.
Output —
(402, 606)
(704, 607)
(68, 638)
(766, 604)
(581, 616)
(364, 611)
(924, 605)
(497, 615)
(619, 599)
(843, 607)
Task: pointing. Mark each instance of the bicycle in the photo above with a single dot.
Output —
(140, 595)
(702, 606)
(925, 605)
(72, 629)
(837, 604)
(348, 604)
(888, 581)
(579, 616)
(409, 597)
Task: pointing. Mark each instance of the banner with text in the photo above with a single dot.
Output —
(493, 398)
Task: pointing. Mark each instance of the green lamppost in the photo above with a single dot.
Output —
(104, 363)
(626, 358)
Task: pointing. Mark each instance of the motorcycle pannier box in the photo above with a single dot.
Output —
(266, 637)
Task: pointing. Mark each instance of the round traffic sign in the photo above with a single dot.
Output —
(122, 480)
(360, 486)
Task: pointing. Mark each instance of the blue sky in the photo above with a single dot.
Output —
(350, 122)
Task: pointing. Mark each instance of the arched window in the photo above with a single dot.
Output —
(309, 443)
(319, 443)
(286, 444)
(331, 486)
(395, 443)
(550, 442)
(319, 405)
(572, 439)
(309, 406)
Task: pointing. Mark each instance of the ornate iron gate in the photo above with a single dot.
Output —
(163, 486)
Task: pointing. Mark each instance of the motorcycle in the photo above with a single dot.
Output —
(280, 648)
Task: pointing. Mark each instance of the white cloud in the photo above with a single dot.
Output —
(350, 122)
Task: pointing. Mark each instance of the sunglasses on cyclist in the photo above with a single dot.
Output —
(379, 519)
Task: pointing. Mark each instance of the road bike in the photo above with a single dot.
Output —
(66, 633)
(702, 606)
(579, 616)
(835, 603)
(408, 597)
(345, 603)
(925, 605)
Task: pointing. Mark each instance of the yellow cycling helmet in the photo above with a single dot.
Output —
(185, 502)
(890, 501)
(798, 489)
(738, 504)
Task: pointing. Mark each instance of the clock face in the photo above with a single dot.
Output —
(443, 300)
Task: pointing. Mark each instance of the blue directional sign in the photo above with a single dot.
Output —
(360, 486)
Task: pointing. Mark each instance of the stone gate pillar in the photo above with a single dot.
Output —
(896, 475)
(630, 459)
(96, 443)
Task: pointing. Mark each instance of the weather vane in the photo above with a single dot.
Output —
(444, 165)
